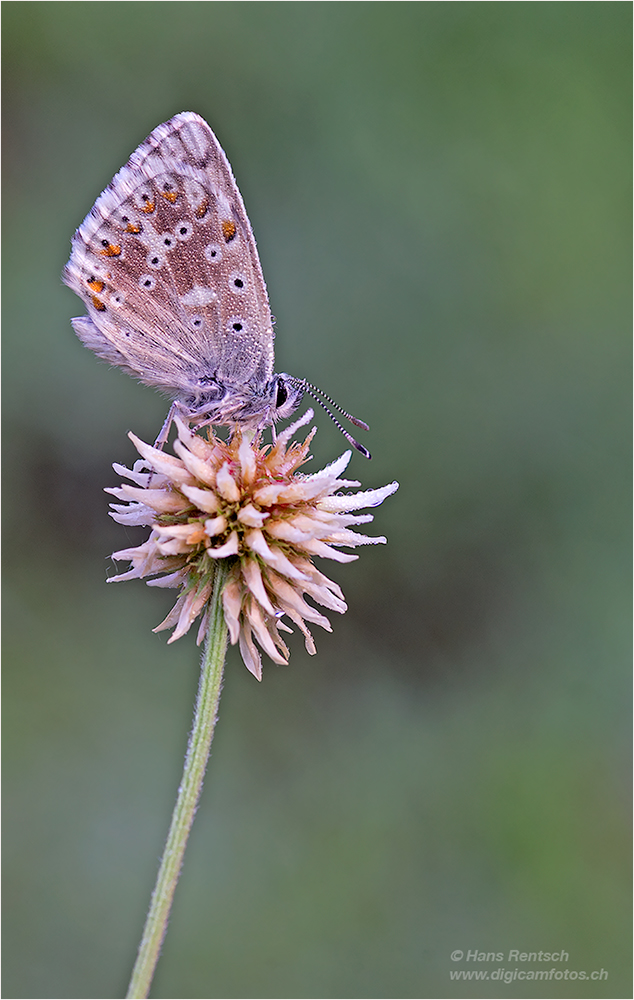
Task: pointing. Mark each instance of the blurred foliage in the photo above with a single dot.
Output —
(440, 193)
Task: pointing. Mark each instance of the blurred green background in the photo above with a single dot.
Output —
(440, 193)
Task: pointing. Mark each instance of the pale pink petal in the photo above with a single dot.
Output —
(132, 574)
(137, 514)
(166, 464)
(232, 604)
(287, 434)
(182, 531)
(290, 598)
(246, 457)
(318, 548)
(298, 527)
(354, 501)
(341, 520)
(173, 615)
(318, 578)
(198, 467)
(169, 581)
(287, 532)
(139, 474)
(144, 557)
(226, 484)
(202, 629)
(204, 499)
(334, 470)
(262, 634)
(253, 578)
(192, 533)
(215, 525)
(296, 491)
(192, 606)
(162, 501)
(269, 494)
(250, 656)
(301, 624)
(230, 548)
(194, 442)
(352, 538)
(173, 547)
(274, 557)
(251, 516)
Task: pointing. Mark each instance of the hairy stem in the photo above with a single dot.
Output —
(205, 716)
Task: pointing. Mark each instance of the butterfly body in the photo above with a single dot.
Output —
(167, 266)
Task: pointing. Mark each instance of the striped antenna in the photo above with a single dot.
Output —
(317, 394)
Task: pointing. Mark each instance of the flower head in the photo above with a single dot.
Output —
(247, 503)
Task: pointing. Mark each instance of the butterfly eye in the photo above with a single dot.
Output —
(237, 282)
(213, 253)
(282, 393)
(147, 282)
(183, 230)
(155, 261)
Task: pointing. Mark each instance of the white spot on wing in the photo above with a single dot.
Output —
(198, 296)
(195, 139)
(213, 253)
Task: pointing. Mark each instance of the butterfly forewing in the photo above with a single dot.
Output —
(167, 266)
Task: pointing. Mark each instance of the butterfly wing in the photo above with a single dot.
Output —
(167, 266)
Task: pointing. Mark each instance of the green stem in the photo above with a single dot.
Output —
(189, 790)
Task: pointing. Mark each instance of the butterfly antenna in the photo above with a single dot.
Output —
(312, 389)
(316, 393)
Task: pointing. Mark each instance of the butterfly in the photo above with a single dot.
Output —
(167, 267)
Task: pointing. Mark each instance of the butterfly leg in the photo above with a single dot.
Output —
(165, 429)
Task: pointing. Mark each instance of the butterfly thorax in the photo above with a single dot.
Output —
(252, 405)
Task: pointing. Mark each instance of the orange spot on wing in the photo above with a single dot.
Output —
(98, 304)
(170, 195)
(97, 286)
(133, 227)
(201, 211)
(112, 250)
(228, 230)
(148, 207)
